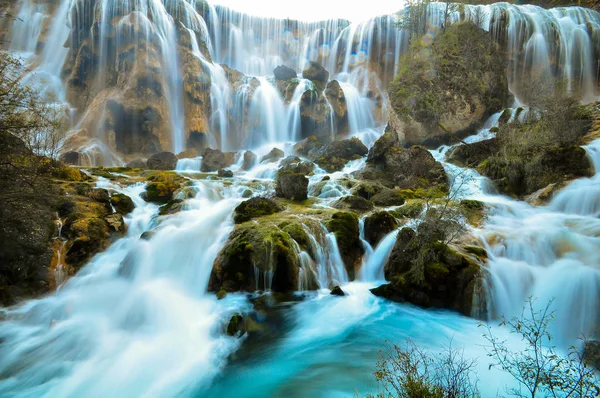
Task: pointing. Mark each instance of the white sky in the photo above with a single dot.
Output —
(314, 10)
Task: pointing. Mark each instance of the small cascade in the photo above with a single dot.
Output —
(268, 119)
(189, 164)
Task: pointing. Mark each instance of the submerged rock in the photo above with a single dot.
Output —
(162, 161)
(236, 326)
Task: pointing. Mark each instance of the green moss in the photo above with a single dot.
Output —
(409, 210)
(297, 233)
(161, 186)
(255, 207)
(221, 294)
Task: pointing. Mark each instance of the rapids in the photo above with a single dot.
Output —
(138, 321)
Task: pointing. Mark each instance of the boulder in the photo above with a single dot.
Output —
(214, 159)
(378, 225)
(307, 145)
(137, 164)
(471, 155)
(295, 164)
(236, 326)
(250, 159)
(429, 273)
(291, 185)
(161, 187)
(122, 203)
(315, 115)
(162, 161)
(273, 156)
(316, 73)
(88, 236)
(353, 202)
(337, 291)
(334, 156)
(408, 169)
(225, 173)
(283, 72)
(255, 207)
(256, 256)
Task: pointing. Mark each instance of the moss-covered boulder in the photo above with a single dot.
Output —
(214, 159)
(334, 156)
(122, 203)
(291, 185)
(388, 197)
(161, 187)
(236, 326)
(378, 225)
(256, 257)
(345, 227)
(162, 161)
(353, 202)
(171, 207)
(89, 236)
(307, 145)
(396, 167)
(255, 207)
(429, 273)
(448, 87)
(409, 210)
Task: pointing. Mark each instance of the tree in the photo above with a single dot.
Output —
(539, 368)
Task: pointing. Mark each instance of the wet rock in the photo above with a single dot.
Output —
(138, 164)
(188, 154)
(225, 173)
(316, 73)
(273, 156)
(334, 156)
(471, 155)
(99, 195)
(122, 203)
(283, 72)
(72, 158)
(296, 165)
(255, 207)
(407, 169)
(161, 187)
(147, 235)
(378, 225)
(88, 236)
(388, 197)
(256, 256)
(429, 273)
(215, 159)
(171, 207)
(337, 291)
(291, 185)
(250, 160)
(315, 115)
(353, 203)
(162, 161)
(116, 223)
(307, 145)
(336, 97)
(236, 326)
(344, 225)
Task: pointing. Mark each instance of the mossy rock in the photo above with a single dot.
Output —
(90, 236)
(291, 185)
(409, 210)
(161, 187)
(255, 207)
(171, 207)
(353, 202)
(122, 203)
(378, 225)
(389, 197)
(473, 211)
(345, 227)
(253, 250)
(295, 230)
(236, 326)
